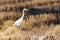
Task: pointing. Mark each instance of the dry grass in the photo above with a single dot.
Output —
(30, 27)
(42, 24)
(38, 20)
(8, 4)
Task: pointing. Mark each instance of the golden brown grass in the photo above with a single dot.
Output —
(35, 25)
(42, 24)
(38, 20)
(7, 4)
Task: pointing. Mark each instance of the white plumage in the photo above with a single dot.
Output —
(19, 21)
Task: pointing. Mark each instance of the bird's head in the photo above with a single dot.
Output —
(25, 9)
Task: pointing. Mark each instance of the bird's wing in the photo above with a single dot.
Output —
(18, 22)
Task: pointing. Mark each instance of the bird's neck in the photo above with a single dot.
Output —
(23, 14)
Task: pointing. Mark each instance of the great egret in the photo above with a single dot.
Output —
(19, 21)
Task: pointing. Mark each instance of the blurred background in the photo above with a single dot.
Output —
(43, 18)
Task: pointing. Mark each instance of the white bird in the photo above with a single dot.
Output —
(20, 20)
